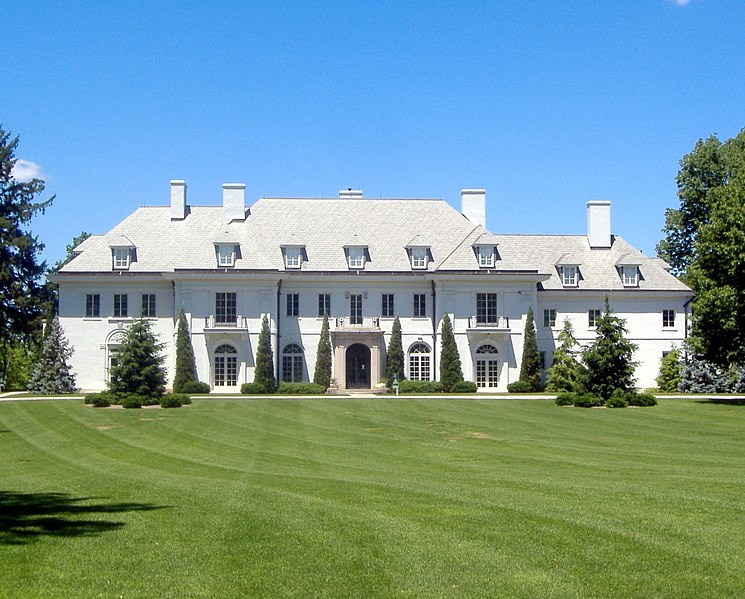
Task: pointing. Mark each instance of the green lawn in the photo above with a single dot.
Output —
(372, 498)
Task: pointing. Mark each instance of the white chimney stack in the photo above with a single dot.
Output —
(350, 194)
(233, 202)
(178, 199)
(598, 224)
(473, 205)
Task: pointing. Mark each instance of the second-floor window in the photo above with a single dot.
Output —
(592, 317)
(148, 305)
(549, 318)
(420, 304)
(225, 308)
(387, 308)
(293, 304)
(92, 305)
(486, 308)
(355, 308)
(324, 304)
(120, 305)
(668, 319)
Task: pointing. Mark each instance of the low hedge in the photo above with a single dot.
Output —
(419, 386)
(587, 400)
(255, 389)
(642, 400)
(194, 387)
(565, 399)
(131, 401)
(464, 387)
(99, 400)
(174, 400)
(301, 389)
(520, 387)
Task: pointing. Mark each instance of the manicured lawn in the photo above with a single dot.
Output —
(372, 498)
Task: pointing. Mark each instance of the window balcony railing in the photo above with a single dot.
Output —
(501, 323)
(223, 323)
(367, 322)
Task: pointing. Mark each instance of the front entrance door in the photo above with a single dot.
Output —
(358, 367)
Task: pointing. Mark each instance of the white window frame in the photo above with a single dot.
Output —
(293, 257)
(420, 362)
(419, 258)
(225, 254)
(122, 258)
(486, 256)
(549, 317)
(570, 275)
(630, 276)
(356, 257)
(667, 322)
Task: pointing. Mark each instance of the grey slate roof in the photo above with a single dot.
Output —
(325, 226)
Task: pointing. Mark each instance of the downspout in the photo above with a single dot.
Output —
(279, 316)
(434, 330)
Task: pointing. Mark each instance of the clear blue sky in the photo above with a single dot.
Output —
(546, 104)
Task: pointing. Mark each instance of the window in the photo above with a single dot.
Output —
(420, 305)
(388, 309)
(569, 276)
(486, 256)
(419, 363)
(592, 317)
(225, 254)
(324, 304)
(293, 257)
(418, 257)
(226, 366)
(120, 305)
(293, 304)
(487, 366)
(292, 364)
(668, 319)
(542, 360)
(92, 305)
(630, 275)
(148, 305)
(356, 257)
(355, 308)
(122, 257)
(486, 308)
(225, 303)
(549, 318)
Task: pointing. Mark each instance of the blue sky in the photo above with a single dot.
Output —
(546, 104)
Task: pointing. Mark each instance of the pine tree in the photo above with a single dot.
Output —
(322, 374)
(395, 354)
(669, 377)
(264, 371)
(450, 367)
(698, 375)
(529, 367)
(52, 373)
(609, 360)
(186, 370)
(139, 367)
(565, 373)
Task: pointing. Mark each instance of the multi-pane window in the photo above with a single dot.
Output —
(387, 309)
(542, 360)
(148, 305)
(356, 257)
(225, 308)
(92, 305)
(419, 363)
(293, 257)
(592, 317)
(487, 366)
(120, 305)
(549, 318)
(226, 366)
(355, 308)
(486, 256)
(292, 363)
(225, 254)
(420, 304)
(293, 304)
(486, 308)
(630, 275)
(569, 276)
(324, 304)
(668, 318)
(121, 257)
(419, 258)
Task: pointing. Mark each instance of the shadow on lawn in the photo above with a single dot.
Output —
(724, 401)
(24, 517)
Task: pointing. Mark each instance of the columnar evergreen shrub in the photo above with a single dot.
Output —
(395, 355)
(701, 376)
(669, 377)
(565, 373)
(530, 372)
(52, 373)
(451, 371)
(264, 371)
(322, 374)
(186, 370)
(139, 363)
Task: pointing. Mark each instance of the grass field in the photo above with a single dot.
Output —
(372, 498)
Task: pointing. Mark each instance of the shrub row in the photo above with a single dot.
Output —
(195, 387)
(520, 387)
(619, 399)
(132, 401)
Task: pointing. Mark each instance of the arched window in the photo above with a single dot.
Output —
(487, 366)
(292, 363)
(419, 362)
(226, 366)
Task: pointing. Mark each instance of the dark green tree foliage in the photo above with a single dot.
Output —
(530, 371)
(17, 358)
(186, 370)
(52, 373)
(565, 373)
(395, 354)
(322, 373)
(609, 360)
(451, 371)
(139, 367)
(264, 371)
(669, 377)
(70, 251)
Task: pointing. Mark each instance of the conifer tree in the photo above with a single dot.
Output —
(322, 374)
(52, 373)
(669, 377)
(609, 360)
(395, 354)
(264, 371)
(529, 366)
(139, 367)
(450, 367)
(565, 373)
(186, 370)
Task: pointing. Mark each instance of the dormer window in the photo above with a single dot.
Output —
(225, 254)
(293, 256)
(419, 257)
(122, 258)
(356, 257)
(630, 276)
(569, 275)
(486, 255)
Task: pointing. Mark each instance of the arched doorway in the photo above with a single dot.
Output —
(358, 366)
(225, 371)
(487, 366)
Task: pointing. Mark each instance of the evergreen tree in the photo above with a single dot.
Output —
(529, 366)
(565, 373)
(698, 375)
(395, 355)
(322, 374)
(609, 360)
(669, 377)
(52, 373)
(450, 367)
(139, 363)
(186, 370)
(264, 371)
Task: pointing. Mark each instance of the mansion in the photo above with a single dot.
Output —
(362, 262)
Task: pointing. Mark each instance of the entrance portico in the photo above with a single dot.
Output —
(358, 357)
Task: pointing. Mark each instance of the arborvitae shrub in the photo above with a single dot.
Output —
(264, 370)
(186, 371)
(450, 367)
(197, 387)
(565, 399)
(395, 355)
(419, 387)
(520, 387)
(530, 372)
(300, 389)
(322, 373)
(131, 401)
(669, 377)
(464, 387)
